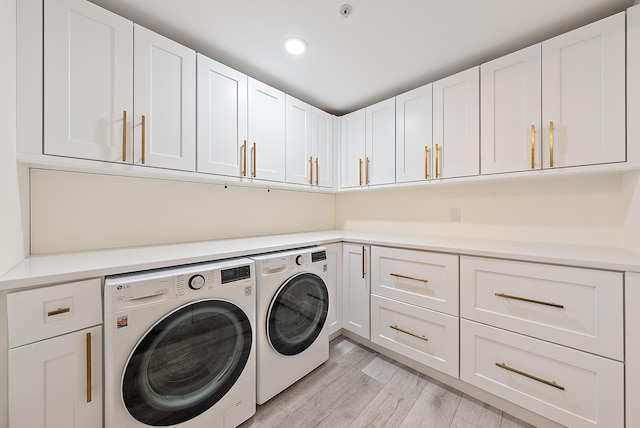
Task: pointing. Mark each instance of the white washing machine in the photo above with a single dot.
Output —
(179, 346)
(292, 301)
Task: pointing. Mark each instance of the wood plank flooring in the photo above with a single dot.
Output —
(357, 387)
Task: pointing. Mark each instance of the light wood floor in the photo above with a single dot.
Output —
(357, 387)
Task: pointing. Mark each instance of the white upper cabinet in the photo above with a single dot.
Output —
(165, 102)
(414, 136)
(352, 147)
(88, 82)
(583, 95)
(222, 119)
(266, 136)
(90, 86)
(380, 138)
(367, 143)
(633, 84)
(510, 95)
(322, 144)
(456, 125)
(298, 142)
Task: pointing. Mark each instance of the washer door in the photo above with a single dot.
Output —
(297, 313)
(186, 362)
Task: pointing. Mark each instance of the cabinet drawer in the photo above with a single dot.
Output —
(419, 278)
(580, 308)
(426, 336)
(50, 311)
(533, 373)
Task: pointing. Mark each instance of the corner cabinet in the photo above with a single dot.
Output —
(90, 55)
(266, 135)
(309, 144)
(55, 356)
(456, 125)
(414, 135)
(367, 140)
(222, 119)
(355, 289)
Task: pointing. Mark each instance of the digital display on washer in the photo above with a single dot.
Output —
(319, 256)
(235, 274)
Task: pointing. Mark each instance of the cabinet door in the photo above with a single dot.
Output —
(414, 136)
(298, 142)
(266, 131)
(88, 82)
(583, 95)
(510, 93)
(456, 123)
(352, 149)
(334, 284)
(322, 144)
(633, 84)
(222, 119)
(165, 102)
(380, 137)
(355, 289)
(51, 383)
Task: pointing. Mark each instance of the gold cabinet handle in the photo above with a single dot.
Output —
(530, 376)
(524, 299)
(310, 169)
(124, 135)
(244, 158)
(360, 171)
(317, 172)
(254, 162)
(367, 172)
(533, 146)
(551, 144)
(426, 162)
(58, 312)
(89, 378)
(437, 161)
(419, 336)
(363, 272)
(144, 130)
(397, 275)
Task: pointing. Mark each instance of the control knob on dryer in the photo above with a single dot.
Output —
(196, 282)
(299, 260)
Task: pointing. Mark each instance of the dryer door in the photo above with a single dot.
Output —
(186, 362)
(297, 313)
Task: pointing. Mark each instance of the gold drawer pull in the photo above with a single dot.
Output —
(360, 171)
(317, 172)
(551, 144)
(124, 135)
(419, 336)
(58, 311)
(244, 158)
(89, 386)
(426, 162)
(533, 146)
(409, 277)
(310, 169)
(524, 299)
(521, 373)
(144, 143)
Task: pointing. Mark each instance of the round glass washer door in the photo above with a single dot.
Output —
(297, 313)
(186, 362)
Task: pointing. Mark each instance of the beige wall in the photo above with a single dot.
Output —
(12, 222)
(586, 210)
(76, 211)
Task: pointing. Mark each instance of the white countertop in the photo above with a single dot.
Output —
(49, 269)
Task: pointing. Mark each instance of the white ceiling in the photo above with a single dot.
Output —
(382, 49)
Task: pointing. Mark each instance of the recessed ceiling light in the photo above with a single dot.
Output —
(295, 45)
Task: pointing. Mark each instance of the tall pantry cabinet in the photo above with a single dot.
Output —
(90, 85)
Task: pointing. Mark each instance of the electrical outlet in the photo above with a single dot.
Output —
(454, 215)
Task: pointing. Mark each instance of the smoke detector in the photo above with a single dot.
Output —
(345, 10)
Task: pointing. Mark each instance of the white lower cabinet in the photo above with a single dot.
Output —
(334, 261)
(55, 356)
(355, 289)
(426, 336)
(571, 387)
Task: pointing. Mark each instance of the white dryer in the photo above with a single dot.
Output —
(292, 301)
(179, 346)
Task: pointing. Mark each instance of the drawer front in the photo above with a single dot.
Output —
(426, 336)
(579, 308)
(532, 373)
(50, 311)
(419, 278)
